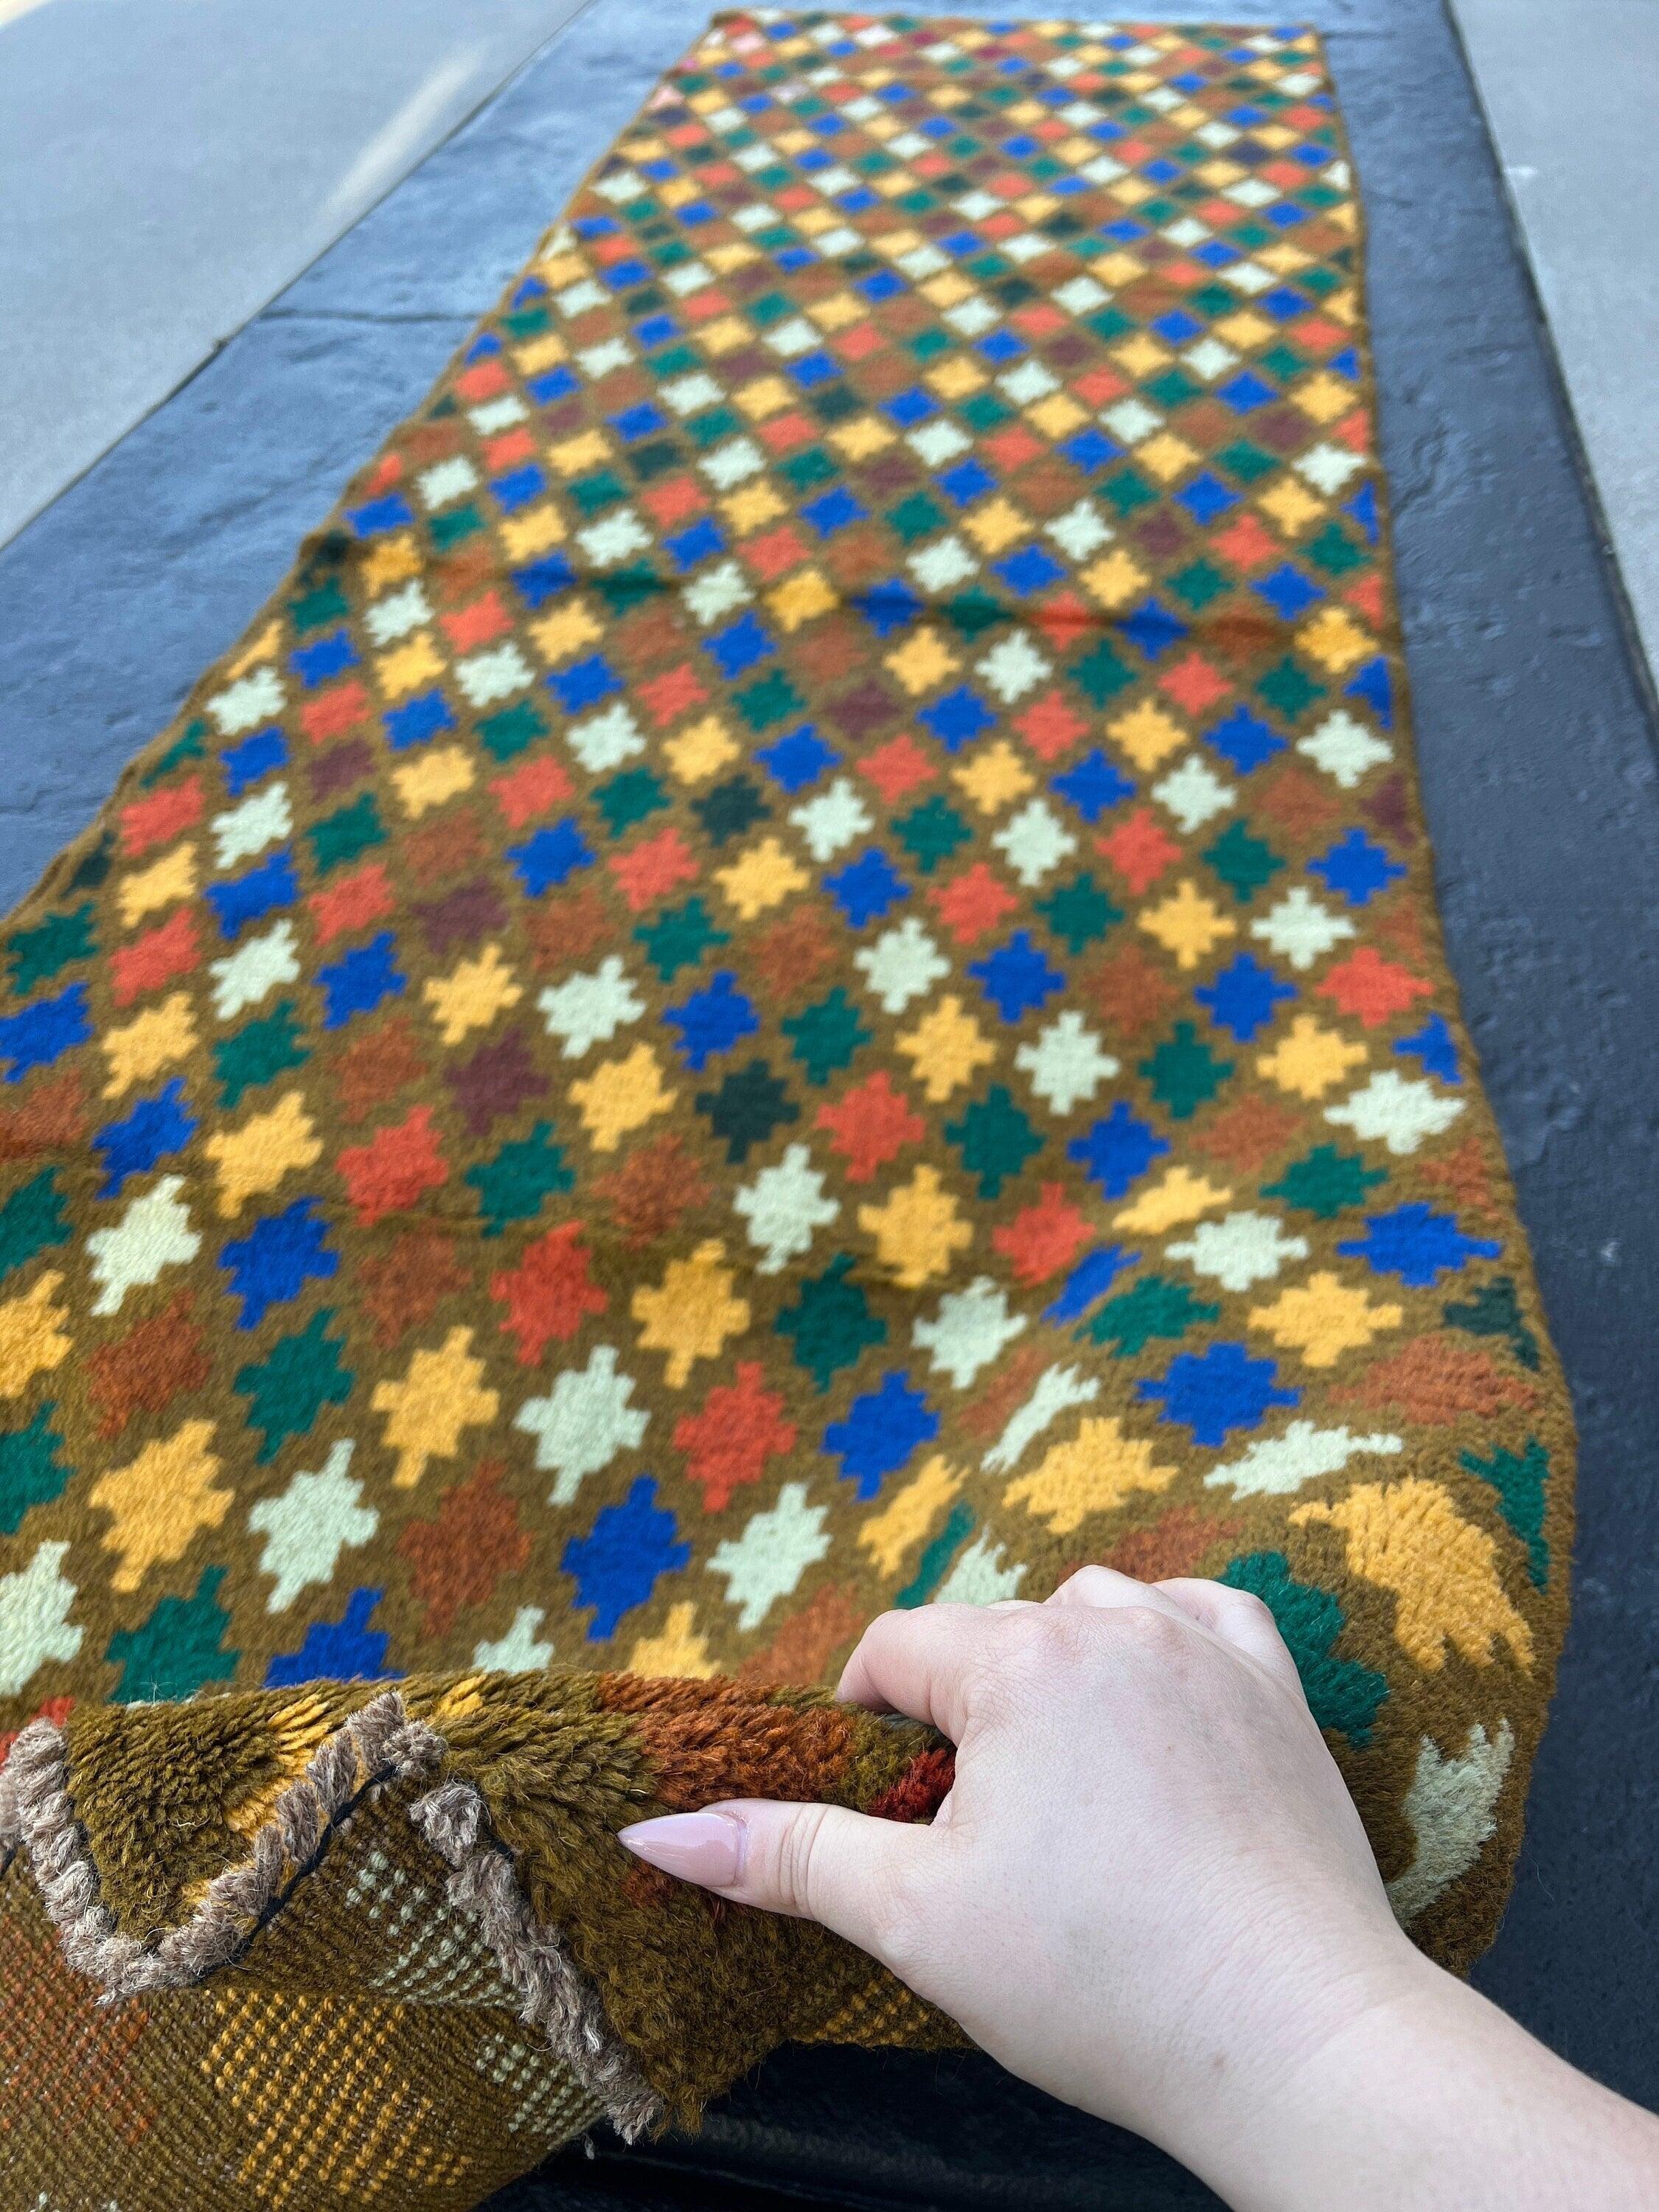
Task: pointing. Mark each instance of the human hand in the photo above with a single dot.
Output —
(1148, 1886)
(1149, 1893)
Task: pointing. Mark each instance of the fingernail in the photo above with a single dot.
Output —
(701, 1847)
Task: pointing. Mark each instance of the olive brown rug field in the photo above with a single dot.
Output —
(796, 971)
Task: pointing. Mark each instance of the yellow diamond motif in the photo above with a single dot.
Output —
(1290, 506)
(691, 1313)
(1245, 330)
(917, 1230)
(620, 1096)
(752, 509)
(946, 1047)
(996, 525)
(993, 777)
(412, 667)
(922, 661)
(1114, 579)
(1165, 456)
(766, 395)
(802, 599)
(1057, 415)
(1147, 735)
(766, 874)
(1335, 640)
(1309, 1061)
(1188, 924)
(1324, 1318)
(531, 532)
(566, 630)
(572, 456)
(1324, 397)
(433, 780)
(701, 751)
(1181, 1196)
(1141, 356)
(862, 440)
(956, 380)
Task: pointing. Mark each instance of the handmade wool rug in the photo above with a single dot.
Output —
(795, 972)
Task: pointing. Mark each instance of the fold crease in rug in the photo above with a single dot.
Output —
(795, 971)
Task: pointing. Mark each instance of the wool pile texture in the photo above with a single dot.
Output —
(795, 972)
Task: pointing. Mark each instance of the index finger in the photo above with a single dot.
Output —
(920, 1663)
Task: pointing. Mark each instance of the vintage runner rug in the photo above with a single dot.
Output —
(796, 971)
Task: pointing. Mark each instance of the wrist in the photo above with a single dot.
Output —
(1428, 2099)
(1350, 2118)
(1305, 2052)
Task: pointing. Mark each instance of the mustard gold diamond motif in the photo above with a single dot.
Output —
(993, 777)
(1324, 1318)
(473, 995)
(1309, 1061)
(33, 1338)
(573, 456)
(701, 751)
(862, 440)
(390, 561)
(540, 353)
(1245, 330)
(996, 525)
(411, 666)
(946, 1047)
(766, 395)
(620, 1096)
(1096, 1471)
(1114, 579)
(917, 1230)
(802, 599)
(922, 661)
(763, 877)
(691, 1313)
(1166, 456)
(1146, 734)
(1180, 1196)
(1057, 416)
(562, 268)
(433, 779)
(531, 532)
(254, 1157)
(165, 881)
(157, 1038)
(1291, 507)
(1335, 640)
(677, 1650)
(956, 379)
(1323, 398)
(442, 1395)
(752, 508)
(948, 289)
(1188, 924)
(724, 336)
(565, 631)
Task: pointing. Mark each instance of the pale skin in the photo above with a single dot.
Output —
(1149, 1893)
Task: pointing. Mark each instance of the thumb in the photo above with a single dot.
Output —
(818, 1862)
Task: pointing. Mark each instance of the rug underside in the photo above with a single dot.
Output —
(795, 971)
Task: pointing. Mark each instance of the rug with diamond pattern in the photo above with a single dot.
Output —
(797, 971)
